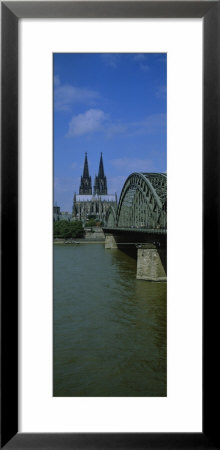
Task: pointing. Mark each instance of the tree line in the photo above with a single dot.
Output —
(68, 229)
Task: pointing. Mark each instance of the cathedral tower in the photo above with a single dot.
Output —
(86, 182)
(100, 185)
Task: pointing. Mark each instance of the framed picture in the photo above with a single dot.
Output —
(90, 222)
(11, 12)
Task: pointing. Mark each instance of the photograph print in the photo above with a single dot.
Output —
(110, 225)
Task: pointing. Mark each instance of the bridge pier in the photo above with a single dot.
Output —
(149, 264)
(110, 241)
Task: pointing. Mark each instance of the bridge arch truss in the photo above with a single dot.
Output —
(110, 218)
(143, 202)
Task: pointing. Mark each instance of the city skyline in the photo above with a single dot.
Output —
(109, 103)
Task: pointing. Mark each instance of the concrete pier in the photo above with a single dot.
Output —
(149, 263)
(110, 241)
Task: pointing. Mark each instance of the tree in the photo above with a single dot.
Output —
(91, 216)
(68, 229)
(91, 223)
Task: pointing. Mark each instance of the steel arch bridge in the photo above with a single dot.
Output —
(110, 218)
(142, 203)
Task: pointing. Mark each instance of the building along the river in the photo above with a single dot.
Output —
(96, 203)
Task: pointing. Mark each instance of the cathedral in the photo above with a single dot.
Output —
(95, 204)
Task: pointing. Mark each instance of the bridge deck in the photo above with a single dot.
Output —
(134, 230)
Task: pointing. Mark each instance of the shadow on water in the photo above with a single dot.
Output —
(109, 328)
(131, 251)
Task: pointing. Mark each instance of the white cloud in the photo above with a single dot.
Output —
(88, 122)
(56, 80)
(152, 124)
(139, 57)
(65, 95)
(95, 120)
(129, 165)
(144, 67)
(110, 59)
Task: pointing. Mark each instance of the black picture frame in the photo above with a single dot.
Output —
(11, 12)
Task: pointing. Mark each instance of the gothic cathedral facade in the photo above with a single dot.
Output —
(94, 204)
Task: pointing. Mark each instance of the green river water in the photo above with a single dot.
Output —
(109, 331)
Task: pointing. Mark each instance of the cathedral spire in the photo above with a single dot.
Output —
(100, 185)
(86, 168)
(101, 168)
(86, 182)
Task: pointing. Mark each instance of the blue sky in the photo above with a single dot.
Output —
(111, 103)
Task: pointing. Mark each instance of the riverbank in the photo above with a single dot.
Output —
(77, 241)
(93, 235)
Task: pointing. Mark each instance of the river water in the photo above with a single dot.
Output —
(109, 328)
